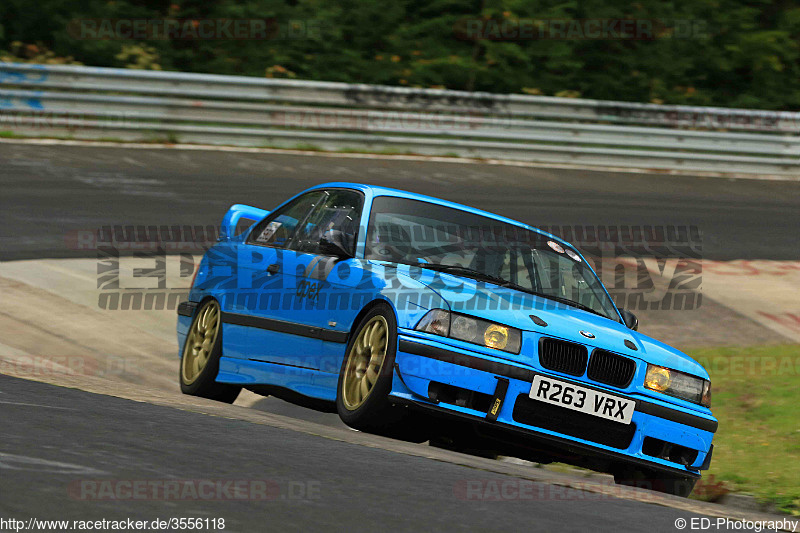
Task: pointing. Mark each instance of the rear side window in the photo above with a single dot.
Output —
(278, 228)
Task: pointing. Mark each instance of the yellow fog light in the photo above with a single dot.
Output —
(658, 378)
(496, 336)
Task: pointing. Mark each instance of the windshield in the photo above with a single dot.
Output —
(413, 232)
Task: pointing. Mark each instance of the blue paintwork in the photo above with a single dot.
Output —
(234, 273)
(234, 214)
(418, 371)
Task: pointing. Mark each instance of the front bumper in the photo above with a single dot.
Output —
(493, 394)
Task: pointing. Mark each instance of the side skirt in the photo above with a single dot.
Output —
(294, 397)
(303, 386)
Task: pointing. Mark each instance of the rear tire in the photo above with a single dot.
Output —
(365, 381)
(200, 358)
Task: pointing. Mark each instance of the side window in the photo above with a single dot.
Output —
(333, 227)
(278, 227)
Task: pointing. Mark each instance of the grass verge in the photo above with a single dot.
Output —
(756, 397)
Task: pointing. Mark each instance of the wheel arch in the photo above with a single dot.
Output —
(203, 380)
(366, 309)
(200, 304)
(206, 297)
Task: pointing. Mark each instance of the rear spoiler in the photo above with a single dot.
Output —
(231, 225)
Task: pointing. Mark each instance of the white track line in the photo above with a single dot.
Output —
(36, 405)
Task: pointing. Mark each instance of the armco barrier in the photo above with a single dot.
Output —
(92, 103)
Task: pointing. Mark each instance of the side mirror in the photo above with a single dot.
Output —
(630, 319)
(332, 243)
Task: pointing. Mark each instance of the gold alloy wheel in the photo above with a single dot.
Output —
(364, 362)
(200, 342)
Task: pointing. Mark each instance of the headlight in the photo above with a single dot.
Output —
(471, 329)
(678, 384)
(436, 321)
(706, 399)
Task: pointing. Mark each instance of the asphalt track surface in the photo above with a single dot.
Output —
(50, 190)
(315, 484)
(53, 436)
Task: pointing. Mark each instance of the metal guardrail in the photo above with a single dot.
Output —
(90, 102)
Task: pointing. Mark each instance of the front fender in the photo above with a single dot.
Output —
(411, 299)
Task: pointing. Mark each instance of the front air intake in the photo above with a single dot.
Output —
(563, 356)
(611, 369)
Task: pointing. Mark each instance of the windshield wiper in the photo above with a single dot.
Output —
(463, 270)
(560, 299)
(575, 304)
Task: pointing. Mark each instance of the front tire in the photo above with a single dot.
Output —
(365, 380)
(200, 358)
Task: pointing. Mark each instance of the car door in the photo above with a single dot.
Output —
(266, 287)
(320, 257)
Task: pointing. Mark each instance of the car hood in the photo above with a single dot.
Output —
(514, 308)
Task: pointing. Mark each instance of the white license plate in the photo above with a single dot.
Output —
(581, 399)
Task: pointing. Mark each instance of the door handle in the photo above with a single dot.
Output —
(273, 268)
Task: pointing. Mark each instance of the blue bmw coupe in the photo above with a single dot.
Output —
(426, 320)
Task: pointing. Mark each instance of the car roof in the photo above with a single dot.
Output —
(375, 190)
